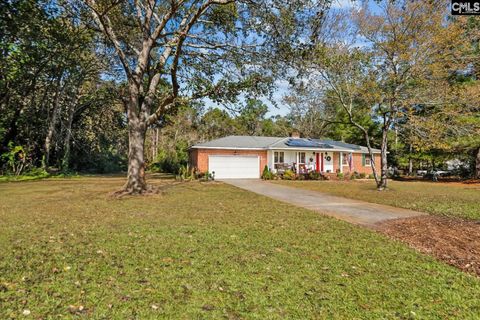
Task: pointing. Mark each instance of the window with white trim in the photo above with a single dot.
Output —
(368, 161)
(301, 157)
(344, 159)
(279, 157)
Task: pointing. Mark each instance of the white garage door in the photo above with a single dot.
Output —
(234, 167)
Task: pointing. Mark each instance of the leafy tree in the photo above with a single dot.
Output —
(216, 123)
(449, 125)
(317, 114)
(97, 150)
(252, 117)
(408, 52)
(51, 86)
(196, 47)
(277, 126)
(307, 113)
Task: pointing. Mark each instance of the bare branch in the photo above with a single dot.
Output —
(103, 21)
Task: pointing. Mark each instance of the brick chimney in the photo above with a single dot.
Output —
(295, 134)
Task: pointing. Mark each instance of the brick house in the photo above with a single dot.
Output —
(246, 156)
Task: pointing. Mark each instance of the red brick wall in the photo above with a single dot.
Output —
(199, 157)
(357, 164)
(336, 156)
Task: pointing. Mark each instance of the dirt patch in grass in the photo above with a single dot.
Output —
(454, 241)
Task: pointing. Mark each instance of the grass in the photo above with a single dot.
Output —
(206, 251)
(40, 175)
(448, 199)
(13, 178)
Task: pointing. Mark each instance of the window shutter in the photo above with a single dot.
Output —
(340, 159)
(363, 159)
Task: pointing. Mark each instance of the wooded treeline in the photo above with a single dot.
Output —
(109, 86)
(56, 111)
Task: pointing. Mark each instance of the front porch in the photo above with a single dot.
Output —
(304, 161)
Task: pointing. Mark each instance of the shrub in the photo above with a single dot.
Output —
(288, 175)
(169, 162)
(267, 174)
(315, 176)
(209, 176)
(37, 172)
(15, 159)
(185, 173)
(204, 176)
(362, 175)
(463, 172)
(340, 175)
(371, 176)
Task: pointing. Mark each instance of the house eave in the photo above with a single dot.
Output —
(312, 149)
(227, 148)
(366, 152)
(283, 149)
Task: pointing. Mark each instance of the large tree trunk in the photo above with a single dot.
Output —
(136, 183)
(382, 184)
(370, 152)
(477, 165)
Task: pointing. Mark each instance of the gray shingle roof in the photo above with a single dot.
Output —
(255, 142)
(240, 142)
(354, 147)
(283, 144)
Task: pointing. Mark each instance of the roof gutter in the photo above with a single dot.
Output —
(311, 149)
(226, 148)
(283, 149)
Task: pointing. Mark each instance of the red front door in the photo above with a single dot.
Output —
(317, 162)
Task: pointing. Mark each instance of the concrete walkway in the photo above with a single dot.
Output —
(354, 211)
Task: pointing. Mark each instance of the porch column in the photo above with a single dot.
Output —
(341, 162)
(273, 162)
(297, 166)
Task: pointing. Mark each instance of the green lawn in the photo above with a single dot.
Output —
(449, 199)
(206, 251)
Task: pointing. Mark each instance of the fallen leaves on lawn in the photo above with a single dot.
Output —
(452, 240)
(76, 309)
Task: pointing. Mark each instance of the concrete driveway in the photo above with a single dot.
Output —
(354, 211)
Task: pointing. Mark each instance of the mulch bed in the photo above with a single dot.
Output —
(454, 180)
(454, 241)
